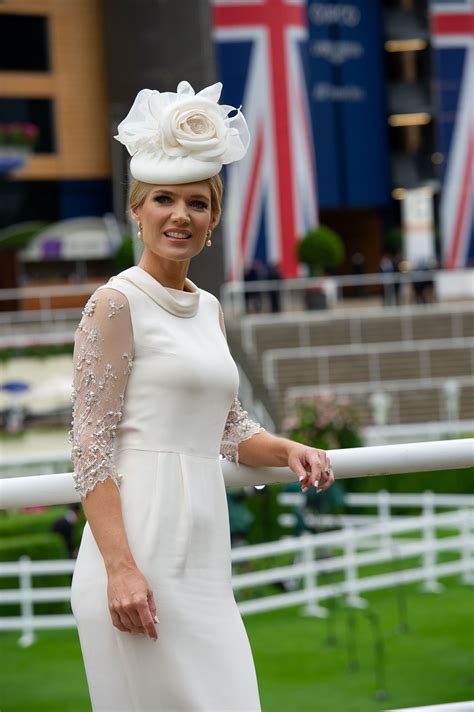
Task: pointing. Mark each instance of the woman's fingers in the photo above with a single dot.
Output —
(118, 623)
(318, 471)
(131, 604)
(139, 613)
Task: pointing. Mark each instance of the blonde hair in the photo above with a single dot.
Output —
(139, 191)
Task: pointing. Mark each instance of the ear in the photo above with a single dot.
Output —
(135, 215)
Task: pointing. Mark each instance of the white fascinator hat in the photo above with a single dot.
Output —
(183, 137)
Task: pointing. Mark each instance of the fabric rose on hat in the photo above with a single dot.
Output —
(182, 137)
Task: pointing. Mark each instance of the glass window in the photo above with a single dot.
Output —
(24, 43)
(34, 111)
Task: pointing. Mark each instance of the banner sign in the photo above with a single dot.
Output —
(270, 198)
(348, 104)
(452, 25)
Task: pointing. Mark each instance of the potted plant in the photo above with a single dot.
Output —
(17, 140)
(321, 248)
(329, 422)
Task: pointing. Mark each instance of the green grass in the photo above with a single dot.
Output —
(299, 670)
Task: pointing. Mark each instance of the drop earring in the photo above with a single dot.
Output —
(140, 231)
(209, 241)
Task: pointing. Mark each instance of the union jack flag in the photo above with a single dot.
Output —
(271, 194)
(453, 38)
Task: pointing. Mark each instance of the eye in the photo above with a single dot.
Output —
(162, 198)
(199, 204)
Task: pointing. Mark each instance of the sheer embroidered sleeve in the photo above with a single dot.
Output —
(239, 426)
(103, 357)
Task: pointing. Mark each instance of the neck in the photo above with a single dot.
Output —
(169, 273)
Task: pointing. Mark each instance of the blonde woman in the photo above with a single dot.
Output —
(155, 405)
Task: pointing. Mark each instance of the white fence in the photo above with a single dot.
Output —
(352, 547)
(382, 501)
(447, 284)
(306, 573)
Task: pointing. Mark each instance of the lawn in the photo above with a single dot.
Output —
(302, 662)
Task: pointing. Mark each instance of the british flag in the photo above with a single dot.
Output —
(271, 194)
(453, 38)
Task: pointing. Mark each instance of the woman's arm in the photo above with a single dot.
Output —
(102, 362)
(310, 465)
(130, 598)
(247, 442)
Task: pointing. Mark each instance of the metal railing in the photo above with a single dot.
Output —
(293, 293)
(303, 322)
(306, 567)
(351, 462)
(424, 349)
(448, 390)
(310, 575)
(382, 501)
(467, 706)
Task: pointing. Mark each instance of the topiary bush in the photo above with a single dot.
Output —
(321, 249)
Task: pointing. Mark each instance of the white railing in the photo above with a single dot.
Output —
(321, 356)
(255, 406)
(350, 462)
(385, 395)
(302, 322)
(467, 706)
(382, 501)
(38, 338)
(308, 575)
(411, 432)
(42, 317)
(45, 294)
(293, 291)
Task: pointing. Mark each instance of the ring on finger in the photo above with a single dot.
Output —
(328, 471)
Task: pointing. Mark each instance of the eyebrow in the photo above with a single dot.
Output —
(201, 196)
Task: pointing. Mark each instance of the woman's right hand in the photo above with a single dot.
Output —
(131, 602)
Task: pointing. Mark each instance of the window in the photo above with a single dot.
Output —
(35, 111)
(24, 43)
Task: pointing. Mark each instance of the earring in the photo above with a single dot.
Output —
(140, 231)
(209, 241)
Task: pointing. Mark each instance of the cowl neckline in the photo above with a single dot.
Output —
(176, 301)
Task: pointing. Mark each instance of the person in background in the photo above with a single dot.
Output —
(387, 267)
(273, 273)
(253, 299)
(358, 268)
(66, 527)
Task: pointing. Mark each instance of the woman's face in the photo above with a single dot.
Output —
(175, 219)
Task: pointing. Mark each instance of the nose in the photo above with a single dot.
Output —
(180, 214)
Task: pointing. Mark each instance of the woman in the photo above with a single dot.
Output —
(154, 406)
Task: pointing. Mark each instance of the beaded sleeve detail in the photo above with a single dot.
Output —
(103, 358)
(239, 426)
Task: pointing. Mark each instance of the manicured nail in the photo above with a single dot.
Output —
(302, 478)
(156, 620)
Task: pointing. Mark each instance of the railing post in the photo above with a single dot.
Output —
(467, 575)
(28, 636)
(383, 505)
(310, 578)
(430, 584)
(353, 600)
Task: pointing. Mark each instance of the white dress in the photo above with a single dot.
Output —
(154, 406)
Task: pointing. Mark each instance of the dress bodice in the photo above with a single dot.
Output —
(183, 379)
(152, 372)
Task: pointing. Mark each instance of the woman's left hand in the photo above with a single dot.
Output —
(312, 466)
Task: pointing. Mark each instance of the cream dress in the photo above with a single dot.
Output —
(154, 406)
